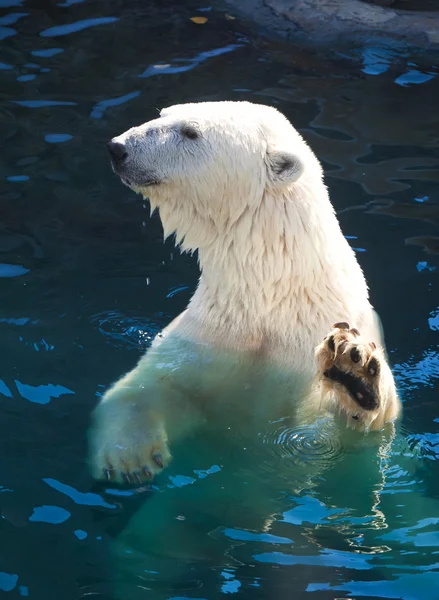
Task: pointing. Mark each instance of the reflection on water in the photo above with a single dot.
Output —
(86, 282)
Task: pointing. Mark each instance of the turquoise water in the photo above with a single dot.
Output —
(86, 282)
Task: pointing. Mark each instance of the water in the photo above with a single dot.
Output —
(86, 283)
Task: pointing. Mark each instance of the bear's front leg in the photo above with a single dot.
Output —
(129, 440)
(144, 411)
(355, 376)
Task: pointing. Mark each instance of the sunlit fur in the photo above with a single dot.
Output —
(276, 270)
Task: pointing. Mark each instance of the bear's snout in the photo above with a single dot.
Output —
(118, 153)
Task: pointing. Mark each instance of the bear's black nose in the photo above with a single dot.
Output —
(118, 152)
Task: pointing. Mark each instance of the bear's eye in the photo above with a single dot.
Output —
(189, 131)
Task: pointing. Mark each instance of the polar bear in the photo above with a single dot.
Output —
(236, 182)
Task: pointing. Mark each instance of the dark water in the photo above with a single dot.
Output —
(86, 282)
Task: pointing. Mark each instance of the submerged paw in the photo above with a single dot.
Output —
(129, 454)
(133, 466)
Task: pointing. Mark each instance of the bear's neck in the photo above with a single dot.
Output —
(284, 268)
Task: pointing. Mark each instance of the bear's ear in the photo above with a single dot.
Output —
(284, 167)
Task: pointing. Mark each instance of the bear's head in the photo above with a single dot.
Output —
(207, 165)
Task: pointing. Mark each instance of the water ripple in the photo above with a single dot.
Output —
(99, 108)
(12, 18)
(47, 53)
(42, 103)
(315, 443)
(6, 32)
(334, 558)
(128, 331)
(81, 498)
(411, 374)
(167, 69)
(50, 514)
(12, 270)
(77, 26)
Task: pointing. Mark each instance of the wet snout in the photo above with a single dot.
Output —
(118, 153)
(133, 156)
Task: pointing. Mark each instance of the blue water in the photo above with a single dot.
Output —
(86, 282)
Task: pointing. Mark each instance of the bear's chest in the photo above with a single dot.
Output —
(263, 383)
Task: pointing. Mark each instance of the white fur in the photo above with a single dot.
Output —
(248, 193)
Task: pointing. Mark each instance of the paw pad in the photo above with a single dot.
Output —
(372, 367)
(355, 355)
(353, 365)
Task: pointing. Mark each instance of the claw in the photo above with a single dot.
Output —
(107, 473)
(147, 472)
(342, 346)
(137, 477)
(126, 477)
(157, 458)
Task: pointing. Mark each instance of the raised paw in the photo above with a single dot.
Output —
(127, 449)
(351, 369)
